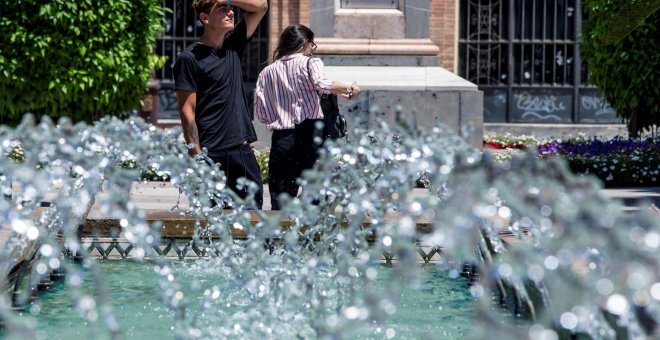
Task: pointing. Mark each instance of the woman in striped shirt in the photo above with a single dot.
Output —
(286, 100)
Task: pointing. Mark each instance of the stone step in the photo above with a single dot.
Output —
(175, 225)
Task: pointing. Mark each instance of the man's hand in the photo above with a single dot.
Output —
(203, 158)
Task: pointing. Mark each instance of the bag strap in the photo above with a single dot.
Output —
(309, 74)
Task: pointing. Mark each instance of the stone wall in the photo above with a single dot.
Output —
(443, 30)
(394, 55)
(282, 14)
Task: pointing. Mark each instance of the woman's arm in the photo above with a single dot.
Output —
(260, 101)
(346, 90)
(324, 85)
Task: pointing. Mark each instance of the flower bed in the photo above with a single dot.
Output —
(618, 162)
(508, 142)
(17, 154)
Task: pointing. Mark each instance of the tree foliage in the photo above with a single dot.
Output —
(624, 61)
(79, 58)
(628, 18)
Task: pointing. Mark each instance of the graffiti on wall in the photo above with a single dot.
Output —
(543, 107)
(597, 105)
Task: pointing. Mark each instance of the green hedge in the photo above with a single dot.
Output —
(626, 71)
(81, 59)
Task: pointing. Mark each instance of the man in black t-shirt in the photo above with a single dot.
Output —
(210, 92)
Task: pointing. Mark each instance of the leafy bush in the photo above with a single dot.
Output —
(626, 71)
(148, 174)
(80, 59)
(16, 153)
(263, 157)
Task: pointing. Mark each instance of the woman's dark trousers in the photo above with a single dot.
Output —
(292, 151)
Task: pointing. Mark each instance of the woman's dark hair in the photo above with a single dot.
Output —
(293, 40)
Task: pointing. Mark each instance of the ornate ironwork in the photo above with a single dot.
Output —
(485, 20)
(526, 51)
(485, 64)
(181, 249)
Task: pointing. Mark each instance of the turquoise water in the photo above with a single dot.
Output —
(437, 306)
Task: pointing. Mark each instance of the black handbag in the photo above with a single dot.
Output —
(335, 126)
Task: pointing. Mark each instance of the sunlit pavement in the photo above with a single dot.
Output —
(163, 196)
(635, 198)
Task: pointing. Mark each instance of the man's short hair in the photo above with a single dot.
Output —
(204, 6)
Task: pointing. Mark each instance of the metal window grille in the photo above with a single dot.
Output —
(182, 29)
(525, 56)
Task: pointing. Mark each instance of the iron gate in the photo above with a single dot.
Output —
(182, 29)
(524, 56)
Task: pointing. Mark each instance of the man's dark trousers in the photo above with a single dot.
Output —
(236, 162)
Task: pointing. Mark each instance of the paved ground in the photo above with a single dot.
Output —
(155, 196)
(635, 198)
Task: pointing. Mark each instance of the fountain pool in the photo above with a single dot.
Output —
(580, 267)
(434, 306)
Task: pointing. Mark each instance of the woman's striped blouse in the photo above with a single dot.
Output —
(286, 94)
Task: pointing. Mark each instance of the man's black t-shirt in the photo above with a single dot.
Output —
(222, 116)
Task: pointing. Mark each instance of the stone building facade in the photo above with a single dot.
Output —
(442, 22)
(522, 54)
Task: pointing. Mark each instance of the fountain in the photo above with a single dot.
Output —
(553, 258)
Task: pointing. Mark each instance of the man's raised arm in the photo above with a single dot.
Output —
(255, 10)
